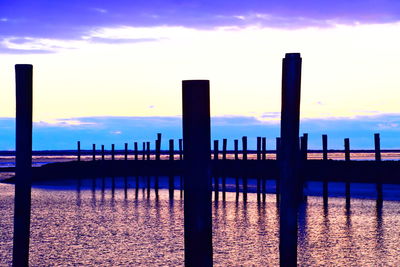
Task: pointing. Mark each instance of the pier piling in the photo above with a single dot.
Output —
(23, 164)
(94, 152)
(224, 151)
(79, 150)
(244, 153)
(216, 178)
(325, 158)
(171, 176)
(347, 158)
(197, 194)
(289, 157)
(378, 159)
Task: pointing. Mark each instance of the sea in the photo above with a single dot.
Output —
(109, 221)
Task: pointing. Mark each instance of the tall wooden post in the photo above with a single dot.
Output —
(23, 165)
(244, 152)
(263, 178)
(347, 158)
(289, 154)
(259, 140)
(236, 148)
(197, 195)
(79, 150)
(325, 158)
(148, 150)
(144, 151)
(102, 152)
(158, 147)
(378, 159)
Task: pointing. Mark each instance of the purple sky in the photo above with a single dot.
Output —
(71, 19)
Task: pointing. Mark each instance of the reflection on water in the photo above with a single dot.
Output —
(99, 222)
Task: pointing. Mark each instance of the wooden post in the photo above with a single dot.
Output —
(347, 158)
(244, 144)
(236, 148)
(158, 147)
(263, 179)
(148, 150)
(135, 145)
(197, 195)
(79, 150)
(23, 165)
(171, 176)
(112, 152)
(304, 155)
(224, 151)
(289, 157)
(325, 158)
(102, 152)
(94, 152)
(180, 149)
(378, 159)
(258, 164)
(216, 178)
(144, 151)
(126, 151)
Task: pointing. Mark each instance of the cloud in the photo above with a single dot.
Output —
(72, 19)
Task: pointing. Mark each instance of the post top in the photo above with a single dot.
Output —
(23, 66)
(196, 81)
(292, 55)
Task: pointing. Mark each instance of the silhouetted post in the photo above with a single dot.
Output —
(171, 176)
(23, 165)
(180, 149)
(216, 178)
(148, 150)
(289, 157)
(236, 149)
(197, 199)
(126, 151)
(263, 179)
(378, 159)
(181, 158)
(244, 144)
(278, 161)
(135, 145)
(79, 150)
(144, 151)
(94, 152)
(112, 152)
(347, 158)
(224, 148)
(304, 155)
(102, 152)
(258, 164)
(158, 147)
(325, 158)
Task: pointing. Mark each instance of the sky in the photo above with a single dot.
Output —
(111, 71)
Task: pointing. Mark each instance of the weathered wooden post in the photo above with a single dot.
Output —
(94, 152)
(126, 151)
(171, 176)
(244, 152)
(216, 178)
(180, 141)
(224, 151)
(263, 178)
(148, 150)
(23, 165)
(378, 159)
(144, 151)
(79, 150)
(112, 151)
(158, 147)
(289, 158)
(135, 145)
(197, 195)
(258, 168)
(236, 149)
(102, 152)
(347, 158)
(304, 155)
(325, 158)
